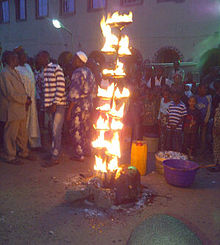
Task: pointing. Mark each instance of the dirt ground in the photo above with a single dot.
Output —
(33, 210)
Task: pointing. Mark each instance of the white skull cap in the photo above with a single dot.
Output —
(83, 57)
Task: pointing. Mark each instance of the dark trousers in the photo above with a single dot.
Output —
(174, 140)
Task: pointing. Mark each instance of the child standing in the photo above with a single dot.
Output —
(176, 114)
(191, 125)
(163, 118)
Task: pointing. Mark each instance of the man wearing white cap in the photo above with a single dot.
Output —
(80, 98)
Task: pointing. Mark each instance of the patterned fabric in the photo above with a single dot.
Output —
(54, 85)
(216, 136)
(176, 113)
(81, 92)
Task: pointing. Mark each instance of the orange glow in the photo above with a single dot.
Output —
(124, 46)
(116, 125)
(113, 147)
(100, 165)
(110, 39)
(105, 107)
(117, 113)
(113, 164)
(106, 93)
(119, 71)
(102, 124)
(117, 18)
(100, 142)
(125, 93)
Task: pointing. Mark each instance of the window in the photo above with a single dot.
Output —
(177, 1)
(21, 11)
(131, 2)
(42, 8)
(4, 11)
(67, 7)
(97, 4)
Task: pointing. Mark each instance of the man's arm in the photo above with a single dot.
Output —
(9, 92)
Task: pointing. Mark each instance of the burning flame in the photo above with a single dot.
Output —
(102, 124)
(106, 93)
(124, 46)
(125, 93)
(116, 125)
(113, 147)
(100, 142)
(113, 164)
(119, 71)
(110, 39)
(117, 113)
(105, 107)
(100, 165)
(117, 18)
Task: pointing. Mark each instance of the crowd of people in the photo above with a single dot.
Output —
(183, 113)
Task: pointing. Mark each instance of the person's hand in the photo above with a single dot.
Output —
(52, 108)
(28, 102)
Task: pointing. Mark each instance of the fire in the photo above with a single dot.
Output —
(116, 125)
(100, 165)
(102, 124)
(117, 18)
(113, 147)
(124, 46)
(105, 107)
(113, 164)
(119, 71)
(110, 39)
(110, 114)
(117, 113)
(106, 93)
(100, 142)
(125, 93)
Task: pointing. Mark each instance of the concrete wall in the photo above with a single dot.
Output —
(191, 27)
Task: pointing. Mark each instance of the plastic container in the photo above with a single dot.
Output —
(152, 143)
(159, 164)
(180, 172)
(139, 156)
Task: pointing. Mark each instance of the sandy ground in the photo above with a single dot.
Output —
(33, 210)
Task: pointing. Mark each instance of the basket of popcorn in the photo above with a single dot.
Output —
(165, 155)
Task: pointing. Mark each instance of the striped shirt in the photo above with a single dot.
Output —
(176, 113)
(54, 85)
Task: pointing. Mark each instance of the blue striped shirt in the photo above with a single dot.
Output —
(54, 85)
(176, 113)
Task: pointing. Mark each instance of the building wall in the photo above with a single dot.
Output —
(191, 27)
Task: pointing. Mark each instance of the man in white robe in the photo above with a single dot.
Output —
(28, 79)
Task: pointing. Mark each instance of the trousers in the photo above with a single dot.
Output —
(15, 136)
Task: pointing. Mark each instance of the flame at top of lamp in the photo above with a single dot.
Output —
(117, 18)
(110, 39)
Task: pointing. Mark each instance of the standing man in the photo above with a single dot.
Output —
(54, 101)
(81, 97)
(13, 105)
(28, 80)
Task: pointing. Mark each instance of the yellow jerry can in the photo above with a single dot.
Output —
(139, 156)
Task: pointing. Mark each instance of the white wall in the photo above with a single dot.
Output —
(188, 26)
